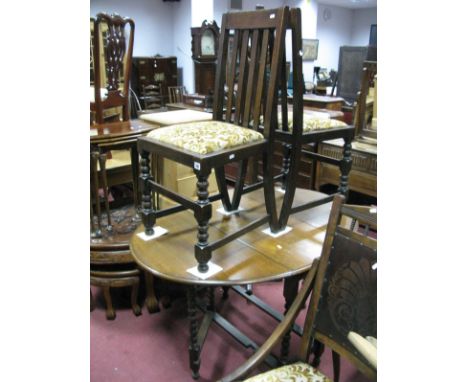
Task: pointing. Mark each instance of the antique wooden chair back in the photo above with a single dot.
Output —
(343, 288)
(344, 296)
(304, 131)
(361, 111)
(176, 94)
(247, 91)
(112, 90)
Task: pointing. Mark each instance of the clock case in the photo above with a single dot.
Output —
(205, 65)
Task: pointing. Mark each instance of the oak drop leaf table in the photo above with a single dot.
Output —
(253, 258)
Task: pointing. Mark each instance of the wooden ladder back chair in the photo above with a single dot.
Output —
(369, 71)
(262, 34)
(176, 94)
(118, 50)
(294, 130)
(343, 288)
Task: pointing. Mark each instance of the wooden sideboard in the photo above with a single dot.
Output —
(363, 175)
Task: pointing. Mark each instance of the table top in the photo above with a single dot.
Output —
(116, 131)
(254, 257)
(320, 98)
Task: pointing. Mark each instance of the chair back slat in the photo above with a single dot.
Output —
(253, 55)
(259, 91)
(251, 78)
(242, 76)
(231, 74)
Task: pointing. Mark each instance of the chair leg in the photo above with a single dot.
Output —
(203, 215)
(147, 213)
(345, 168)
(336, 366)
(290, 288)
(317, 350)
(91, 300)
(110, 312)
(134, 297)
(225, 295)
(151, 301)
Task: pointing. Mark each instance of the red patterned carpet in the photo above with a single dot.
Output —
(153, 347)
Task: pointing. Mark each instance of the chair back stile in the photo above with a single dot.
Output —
(118, 53)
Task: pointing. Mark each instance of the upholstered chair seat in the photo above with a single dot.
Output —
(297, 372)
(313, 122)
(205, 137)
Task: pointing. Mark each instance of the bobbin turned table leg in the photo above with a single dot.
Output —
(194, 346)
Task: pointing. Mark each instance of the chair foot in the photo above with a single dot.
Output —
(151, 301)
(135, 307)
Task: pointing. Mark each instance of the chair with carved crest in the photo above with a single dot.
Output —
(342, 310)
(232, 136)
(112, 56)
(111, 264)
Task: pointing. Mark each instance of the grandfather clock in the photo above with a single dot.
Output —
(204, 54)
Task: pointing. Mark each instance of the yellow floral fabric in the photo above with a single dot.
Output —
(205, 137)
(297, 372)
(311, 122)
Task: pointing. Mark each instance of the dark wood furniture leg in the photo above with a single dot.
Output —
(110, 312)
(194, 347)
(150, 300)
(290, 288)
(336, 366)
(147, 213)
(345, 168)
(136, 188)
(202, 215)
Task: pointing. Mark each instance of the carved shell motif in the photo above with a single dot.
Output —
(352, 298)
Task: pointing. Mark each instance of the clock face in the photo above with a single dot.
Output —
(208, 43)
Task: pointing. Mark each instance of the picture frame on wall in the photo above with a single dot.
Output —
(310, 49)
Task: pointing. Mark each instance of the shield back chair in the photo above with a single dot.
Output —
(342, 285)
(114, 53)
(295, 129)
(230, 136)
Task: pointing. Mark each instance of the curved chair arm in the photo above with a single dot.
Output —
(365, 347)
(263, 351)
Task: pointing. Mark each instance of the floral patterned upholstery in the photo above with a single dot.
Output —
(312, 122)
(297, 372)
(205, 137)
